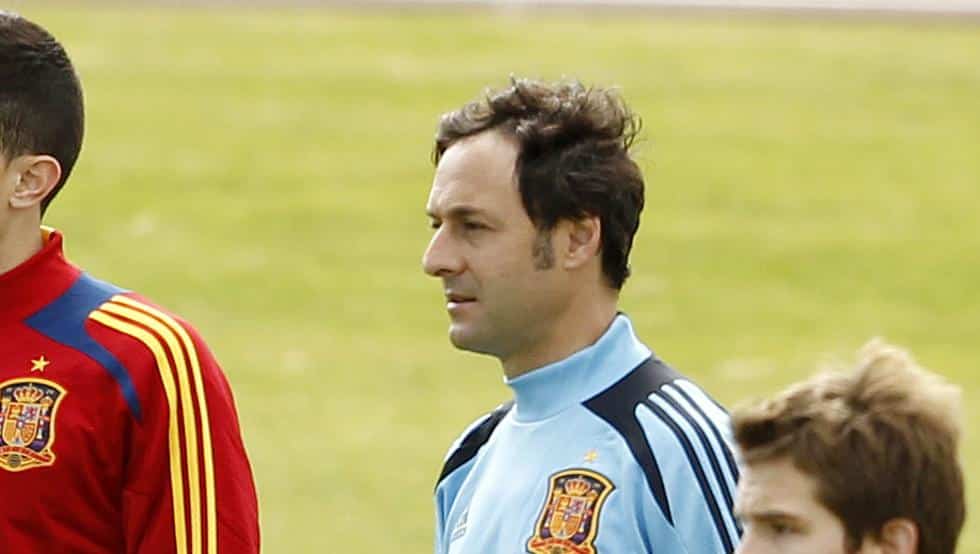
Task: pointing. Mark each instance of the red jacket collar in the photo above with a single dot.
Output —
(40, 279)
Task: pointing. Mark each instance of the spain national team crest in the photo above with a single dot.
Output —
(569, 519)
(27, 412)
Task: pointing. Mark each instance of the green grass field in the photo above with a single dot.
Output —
(810, 184)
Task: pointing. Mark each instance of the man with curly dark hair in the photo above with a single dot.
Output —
(604, 448)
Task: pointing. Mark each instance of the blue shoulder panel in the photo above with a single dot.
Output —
(63, 321)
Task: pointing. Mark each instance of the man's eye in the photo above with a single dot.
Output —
(435, 224)
(473, 226)
(781, 528)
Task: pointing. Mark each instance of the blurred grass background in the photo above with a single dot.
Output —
(811, 183)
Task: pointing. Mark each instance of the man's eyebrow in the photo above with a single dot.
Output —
(767, 515)
(456, 212)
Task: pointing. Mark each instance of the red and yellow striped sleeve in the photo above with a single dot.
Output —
(189, 487)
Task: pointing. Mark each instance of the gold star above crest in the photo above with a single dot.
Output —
(591, 456)
(39, 364)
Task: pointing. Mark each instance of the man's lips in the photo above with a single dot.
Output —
(458, 298)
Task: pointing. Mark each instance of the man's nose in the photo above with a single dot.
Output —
(441, 257)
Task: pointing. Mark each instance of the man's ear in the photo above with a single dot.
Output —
(898, 536)
(37, 176)
(584, 240)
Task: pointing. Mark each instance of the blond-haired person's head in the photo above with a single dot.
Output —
(863, 461)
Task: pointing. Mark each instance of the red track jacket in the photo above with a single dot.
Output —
(118, 431)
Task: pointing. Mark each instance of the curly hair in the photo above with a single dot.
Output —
(573, 159)
(41, 108)
(880, 442)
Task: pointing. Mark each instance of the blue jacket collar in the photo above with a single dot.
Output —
(547, 390)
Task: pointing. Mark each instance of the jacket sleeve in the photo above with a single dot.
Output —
(456, 467)
(454, 471)
(188, 487)
(690, 436)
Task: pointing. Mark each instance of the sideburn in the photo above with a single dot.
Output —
(543, 252)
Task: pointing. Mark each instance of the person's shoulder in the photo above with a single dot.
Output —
(123, 333)
(139, 309)
(125, 313)
(656, 410)
(88, 298)
(471, 440)
(655, 388)
(619, 400)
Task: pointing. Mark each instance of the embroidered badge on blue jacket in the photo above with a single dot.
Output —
(569, 520)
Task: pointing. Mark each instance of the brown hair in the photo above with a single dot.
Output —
(41, 108)
(573, 161)
(880, 442)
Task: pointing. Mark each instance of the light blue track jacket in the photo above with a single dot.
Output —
(608, 451)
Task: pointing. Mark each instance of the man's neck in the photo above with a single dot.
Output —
(576, 330)
(18, 242)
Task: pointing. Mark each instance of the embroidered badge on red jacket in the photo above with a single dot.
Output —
(27, 422)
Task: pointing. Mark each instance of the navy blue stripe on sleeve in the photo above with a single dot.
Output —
(617, 407)
(709, 498)
(709, 452)
(729, 458)
(473, 441)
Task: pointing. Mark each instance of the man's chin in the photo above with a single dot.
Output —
(465, 338)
